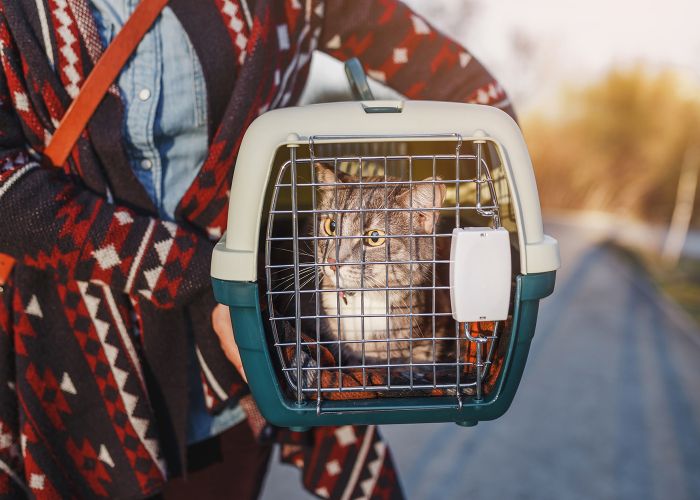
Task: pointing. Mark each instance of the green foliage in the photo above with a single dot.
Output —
(617, 145)
(683, 285)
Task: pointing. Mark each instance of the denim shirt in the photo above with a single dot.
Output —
(165, 127)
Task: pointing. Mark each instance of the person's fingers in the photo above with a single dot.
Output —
(221, 318)
(221, 322)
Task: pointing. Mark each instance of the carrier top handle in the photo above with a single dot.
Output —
(358, 80)
(361, 91)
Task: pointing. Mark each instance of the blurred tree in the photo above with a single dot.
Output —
(618, 145)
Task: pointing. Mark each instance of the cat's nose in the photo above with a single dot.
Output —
(331, 260)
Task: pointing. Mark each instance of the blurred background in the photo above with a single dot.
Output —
(608, 97)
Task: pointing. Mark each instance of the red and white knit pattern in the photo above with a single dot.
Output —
(491, 94)
(69, 59)
(233, 12)
(111, 348)
(17, 92)
(305, 43)
(87, 27)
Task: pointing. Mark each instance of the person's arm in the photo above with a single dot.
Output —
(49, 221)
(401, 49)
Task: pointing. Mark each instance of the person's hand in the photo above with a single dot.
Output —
(221, 321)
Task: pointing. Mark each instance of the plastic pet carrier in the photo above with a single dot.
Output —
(384, 262)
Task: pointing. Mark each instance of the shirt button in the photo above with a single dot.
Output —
(144, 94)
(146, 164)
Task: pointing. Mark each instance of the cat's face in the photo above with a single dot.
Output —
(367, 246)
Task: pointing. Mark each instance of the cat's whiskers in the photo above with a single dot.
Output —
(290, 280)
(302, 274)
(306, 280)
(379, 286)
(288, 269)
(300, 252)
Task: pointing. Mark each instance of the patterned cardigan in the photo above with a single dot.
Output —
(94, 319)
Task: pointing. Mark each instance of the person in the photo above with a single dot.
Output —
(117, 374)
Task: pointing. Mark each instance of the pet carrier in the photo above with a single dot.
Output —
(384, 262)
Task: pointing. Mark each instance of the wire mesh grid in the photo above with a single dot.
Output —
(357, 266)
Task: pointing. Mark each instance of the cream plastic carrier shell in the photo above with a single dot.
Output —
(235, 261)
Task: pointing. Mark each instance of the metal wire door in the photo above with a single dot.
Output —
(355, 266)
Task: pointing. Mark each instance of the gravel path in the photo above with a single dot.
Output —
(608, 407)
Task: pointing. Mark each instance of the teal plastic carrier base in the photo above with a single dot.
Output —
(243, 298)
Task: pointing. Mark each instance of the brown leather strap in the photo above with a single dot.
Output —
(91, 93)
(6, 265)
(101, 77)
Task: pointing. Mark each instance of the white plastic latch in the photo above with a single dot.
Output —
(480, 274)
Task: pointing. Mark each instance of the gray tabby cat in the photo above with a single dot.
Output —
(371, 250)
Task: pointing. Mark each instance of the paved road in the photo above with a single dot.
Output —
(609, 406)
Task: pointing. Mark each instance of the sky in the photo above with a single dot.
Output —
(575, 41)
(567, 42)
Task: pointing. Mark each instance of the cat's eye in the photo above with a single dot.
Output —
(374, 237)
(329, 226)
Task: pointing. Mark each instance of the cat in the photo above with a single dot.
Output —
(370, 250)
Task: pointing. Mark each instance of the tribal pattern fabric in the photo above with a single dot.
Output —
(93, 321)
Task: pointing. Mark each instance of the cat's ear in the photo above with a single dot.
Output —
(325, 173)
(429, 193)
